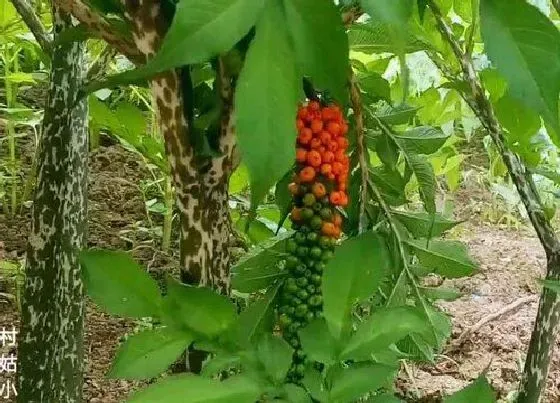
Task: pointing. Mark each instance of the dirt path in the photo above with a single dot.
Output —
(510, 263)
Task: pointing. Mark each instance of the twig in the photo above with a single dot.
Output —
(33, 22)
(350, 16)
(493, 316)
(356, 100)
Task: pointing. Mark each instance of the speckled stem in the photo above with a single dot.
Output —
(50, 350)
(547, 322)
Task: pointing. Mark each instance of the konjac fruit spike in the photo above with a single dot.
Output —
(318, 189)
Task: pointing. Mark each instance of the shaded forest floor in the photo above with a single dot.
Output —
(511, 261)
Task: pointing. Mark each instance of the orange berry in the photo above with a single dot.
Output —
(296, 214)
(299, 124)
(342, 186)
(332, 146)
(328, 156)
(326, 169)
(339, 155)
(337, 232)
(293, 188)
(331, 176)
(302, 113)
(336, 198)
(337, 168)
(305, 135)
(307, 174)
(314, 158)
(334, 128)
(328, 114)
(344, 199)
(316, 125)
(315, 143)
(325, 137)
(342, 143)
(328, 228)
(322, 149)
(301, 155)
(314, 106)
(344, 128)
(319, 190)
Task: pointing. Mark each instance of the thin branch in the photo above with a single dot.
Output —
(33, 22)
(350, 16)
(482, 107)
(356, 100)
(102, 28)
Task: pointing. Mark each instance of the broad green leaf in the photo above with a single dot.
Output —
(479, 391)
(296, 394)
(269, 79)
(239, 180)
(424, 173)
(357, 268)
(447, 258)
(253, 279)
(525, 47)
(387, 151)
(423, 139)
(320, 43)
(383, 328)
(359, 379)
(257, 318)
(200, 310)
(313, 381)
(220, 362)
(206, 28)
(391, 185)
(422, 224)
(119, 285)
(521, 124)
(148, 354)
(318, 343)
(267, 254)
(257, 231)
(446, 294)
(553, 285)
(385, 398)
(188, 388)
(494, 83)
(398, 115)
(374, 37)
(275, 354)
(375, 87)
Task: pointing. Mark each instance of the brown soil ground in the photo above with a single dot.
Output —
(510, 262)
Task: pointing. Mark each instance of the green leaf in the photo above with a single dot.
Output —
(357, 268)
(257, 231)
(424, 173)
(525, 47)
(205, 27)
(253, 279)
(148, 354)
(385, 398)
(257, 318)
(375, 87)
(269, 79)
(494, 83)
(447, 258)
(318, 343)
(200, 310)
(398, 115)
(419, 224)
(423, 139)
(187, 388)
(296, 394)
(220, 362)
(387, 151)
(359, 379)
(313, 381)
(276, 356)
(384, 327)
(479, 391)
(374, 37)
(283, 197)
(553, 285)
(320, 43)
(391, 185)
(119, 285)
(239, 180)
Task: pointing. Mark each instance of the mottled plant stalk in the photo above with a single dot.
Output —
(50, 350)
(537, 362)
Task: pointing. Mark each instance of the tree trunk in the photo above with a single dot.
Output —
(535, 373)
(50, 367)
